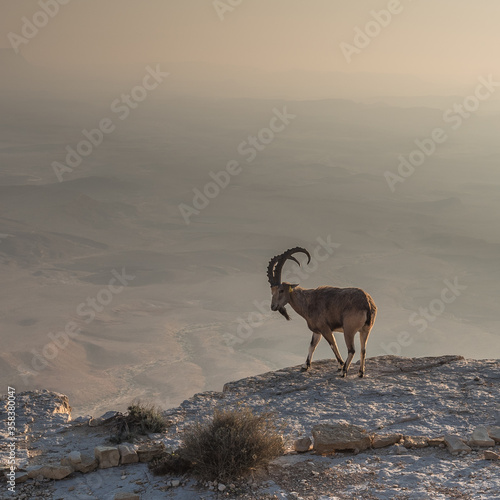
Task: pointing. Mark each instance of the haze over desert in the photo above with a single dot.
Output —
(154, 157)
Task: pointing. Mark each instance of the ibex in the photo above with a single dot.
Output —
(326, 310)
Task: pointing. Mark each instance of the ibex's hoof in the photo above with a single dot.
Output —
(343, 375)
(304, 368)
(361, 374)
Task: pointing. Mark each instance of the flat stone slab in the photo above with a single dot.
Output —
(494, 433)
(416, 442)
(19, 477)
(50, 472)
(455, 444)
(480, 437)
(381, 441)
(437, 441)
(329, 438)
(491, 455)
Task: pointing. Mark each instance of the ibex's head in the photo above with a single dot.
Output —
(281, 291)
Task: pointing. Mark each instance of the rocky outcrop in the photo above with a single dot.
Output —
(417, 402)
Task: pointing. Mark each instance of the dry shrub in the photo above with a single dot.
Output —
(141, 418)
(232, 444)
(170, 463)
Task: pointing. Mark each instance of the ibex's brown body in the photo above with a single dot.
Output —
(326, 310)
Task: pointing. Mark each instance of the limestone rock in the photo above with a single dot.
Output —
(437, 441)
(84, 464)
(128, 455)
(149, 451)
(19, 476)
(103, 419)
(480, 437)
(50, 471)
(74, 458)
(329, 438)
(386, 440)
(108, 456)
(416, 442)
(491, 455)
(399, 449)
(494, 433)
(87, 464)
(302, 445)
(84, 419)
(455, 444)
(125, 495)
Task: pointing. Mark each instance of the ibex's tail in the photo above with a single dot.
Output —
(372, 311)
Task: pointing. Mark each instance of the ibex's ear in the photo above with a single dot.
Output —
(291, 287)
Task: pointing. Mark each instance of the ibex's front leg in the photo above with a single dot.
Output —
(316, 337)
(331, 340)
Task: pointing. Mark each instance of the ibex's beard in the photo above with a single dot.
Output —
(284, 312)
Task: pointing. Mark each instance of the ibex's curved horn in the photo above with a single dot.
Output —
(277, 262)
(270, 271)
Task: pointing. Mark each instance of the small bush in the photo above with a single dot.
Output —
(140, 419)
(232, 444)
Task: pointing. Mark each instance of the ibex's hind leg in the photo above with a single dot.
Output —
(363, 338)
(331, 340)
(349, 341)
(353, 323)
(316, 337)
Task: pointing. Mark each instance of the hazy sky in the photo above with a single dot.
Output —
(437, 40)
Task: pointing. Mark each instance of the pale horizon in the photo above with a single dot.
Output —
(448, 43)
